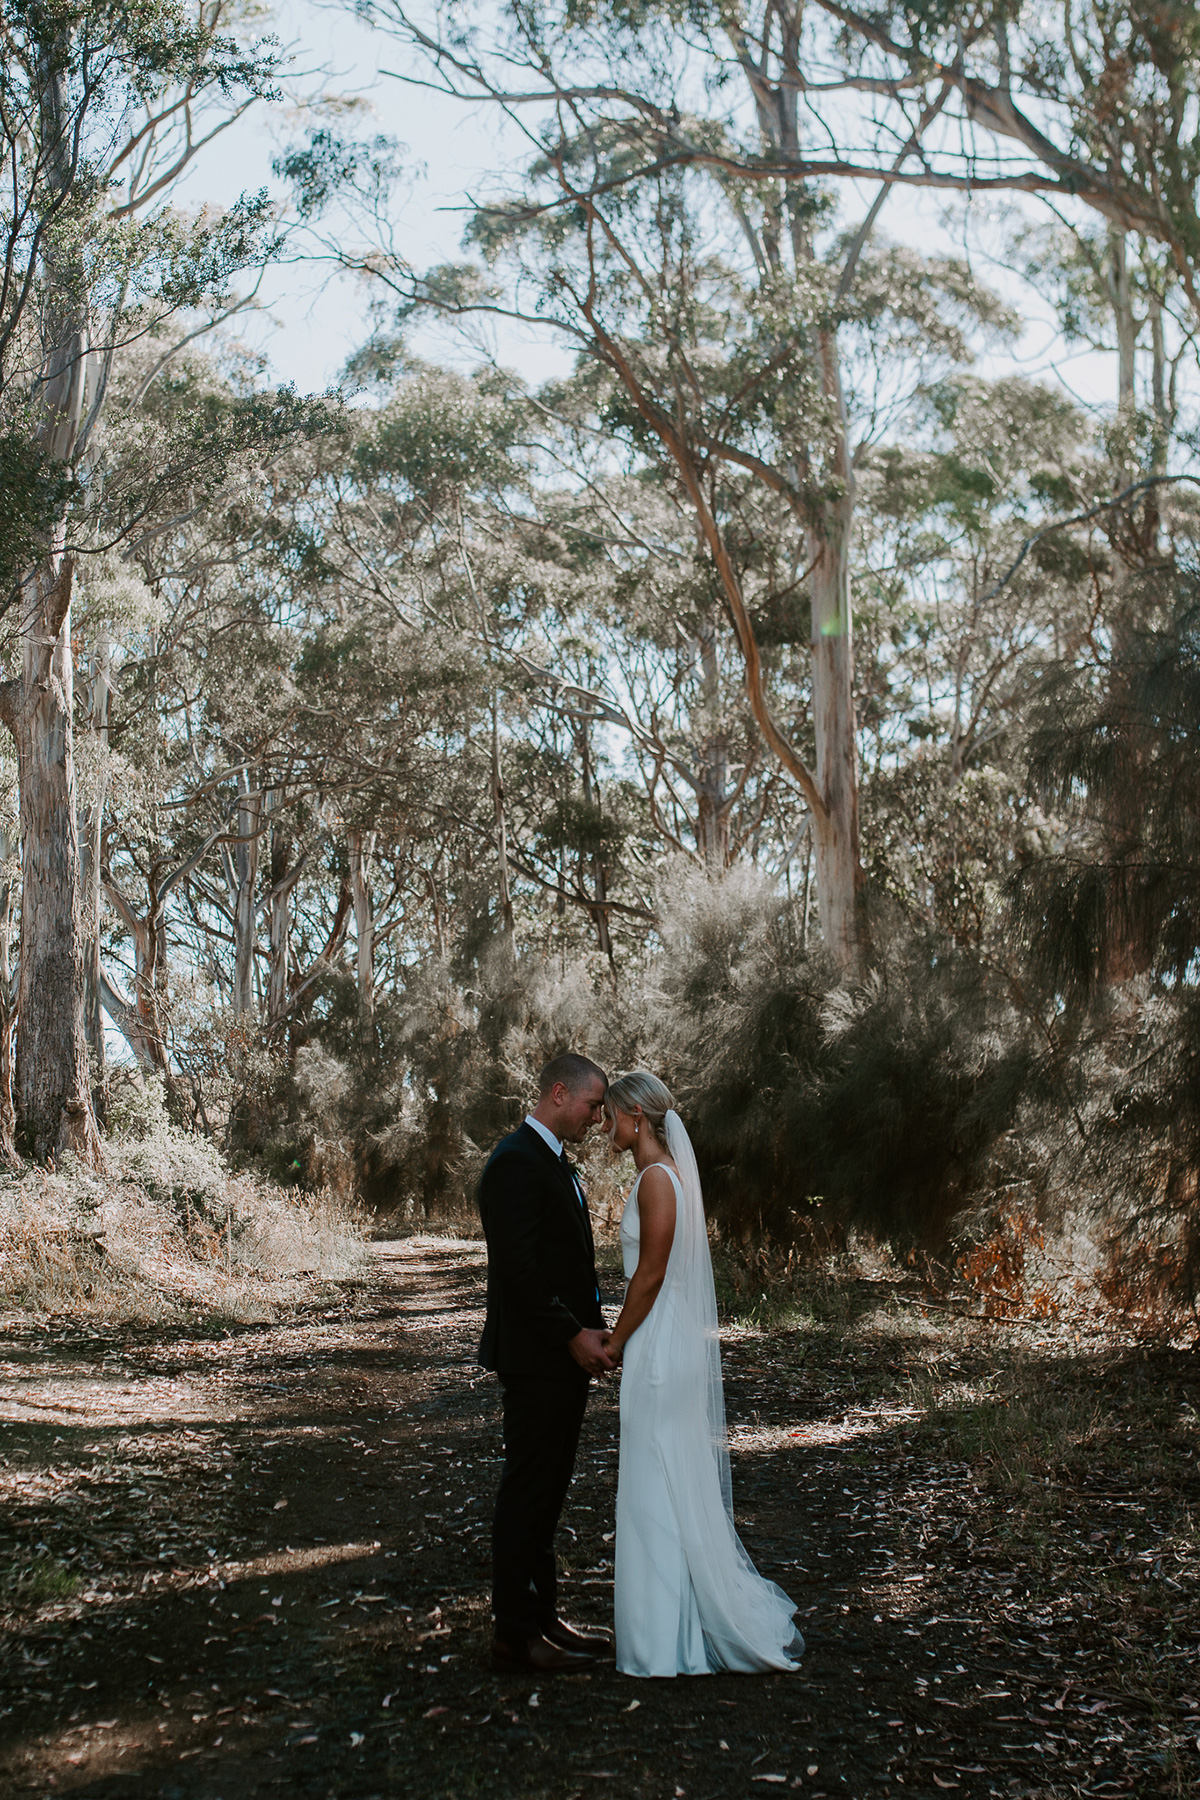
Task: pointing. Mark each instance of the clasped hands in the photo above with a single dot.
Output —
(590, 1349)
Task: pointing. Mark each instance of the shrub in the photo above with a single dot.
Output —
(167, 1229)
(178, 1169)
(815, 1105)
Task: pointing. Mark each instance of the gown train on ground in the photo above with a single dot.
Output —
(688, 1599)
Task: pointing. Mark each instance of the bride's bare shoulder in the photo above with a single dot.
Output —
(655, 1184)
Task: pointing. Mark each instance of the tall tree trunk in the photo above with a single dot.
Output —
(1120, 293)
(714, 803)
(246, 880)
(435, 898)
(53, 1099)
(8, 1000)
(834, 803)
(53, 1092)
(358, 847)
(91, 852)
(284, 875)
(839, 865)
(145, 1018)
(1126, 957)
(128, 1022)
(507, 927)
(591, 796)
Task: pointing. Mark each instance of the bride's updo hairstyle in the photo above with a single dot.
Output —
(640, 1088)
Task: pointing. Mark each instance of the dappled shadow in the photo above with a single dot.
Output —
(285, 1583)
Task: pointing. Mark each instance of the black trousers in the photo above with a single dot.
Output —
(542, 1420)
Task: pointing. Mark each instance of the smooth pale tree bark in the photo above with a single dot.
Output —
(1126, 956)
(323, 960)
(831, 789)
(242, 876)
(499, 815)
(839, 871)
(52, 1091)
(8, 999)
(144, 1021)
(52, 1094)
(715, 799)
(435, 901)
(124, 1016)
(1120, 294)
(285, 873)
(599, 870)
(91, 852)
(836, 836)
(145, 936)
(358, 849)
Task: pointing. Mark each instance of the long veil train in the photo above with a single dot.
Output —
(688, 1598)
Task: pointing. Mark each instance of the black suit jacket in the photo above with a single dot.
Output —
(541, 1286)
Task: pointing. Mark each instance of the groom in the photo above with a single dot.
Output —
(545, 1336)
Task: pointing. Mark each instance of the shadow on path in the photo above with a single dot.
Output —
(278, 1541)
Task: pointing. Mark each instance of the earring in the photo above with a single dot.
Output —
(635, 1128)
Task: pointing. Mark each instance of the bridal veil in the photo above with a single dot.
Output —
(688, 1598)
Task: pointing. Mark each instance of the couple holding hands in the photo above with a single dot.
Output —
(688, 1600)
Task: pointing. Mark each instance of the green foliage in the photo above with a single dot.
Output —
(179, 1169)
(1111, 927)
(1117, 758)
(886, 1101)
(328, 168)
(35, 493)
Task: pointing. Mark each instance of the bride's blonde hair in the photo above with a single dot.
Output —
(640, 1088)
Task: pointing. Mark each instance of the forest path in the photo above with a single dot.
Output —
(278, 1539)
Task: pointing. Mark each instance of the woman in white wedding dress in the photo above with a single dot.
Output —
(688, 1599)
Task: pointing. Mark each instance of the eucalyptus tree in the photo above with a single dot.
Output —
(1121, 294)
(717, 303)
(1087, 106)
(637, 646)
(102, 109)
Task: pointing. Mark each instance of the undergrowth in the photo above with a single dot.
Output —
(167, 1228)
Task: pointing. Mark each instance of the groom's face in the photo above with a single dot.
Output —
(577, 1113)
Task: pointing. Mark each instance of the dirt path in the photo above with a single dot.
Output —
(256, 1562)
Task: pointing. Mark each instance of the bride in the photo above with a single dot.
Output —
(688, 1599)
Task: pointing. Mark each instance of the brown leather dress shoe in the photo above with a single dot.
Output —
(582, 1642)
(537, 1656)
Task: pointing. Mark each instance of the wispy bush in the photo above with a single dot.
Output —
(453, 1067)
(1111, 928)
(816, 1105)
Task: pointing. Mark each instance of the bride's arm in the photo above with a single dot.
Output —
(656, 1215)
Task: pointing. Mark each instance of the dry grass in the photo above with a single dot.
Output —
(167, 1231)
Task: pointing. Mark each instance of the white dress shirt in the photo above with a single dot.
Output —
(548, 1137)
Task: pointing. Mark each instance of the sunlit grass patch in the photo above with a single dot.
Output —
(767, 1312)
(157, 1248)
(1018, 1430)
(26, 1586)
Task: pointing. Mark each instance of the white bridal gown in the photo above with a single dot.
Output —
(688, 1599)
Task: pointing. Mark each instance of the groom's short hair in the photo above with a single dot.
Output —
(573, 1071)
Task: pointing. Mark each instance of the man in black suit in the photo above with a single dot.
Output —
(545, 1336)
